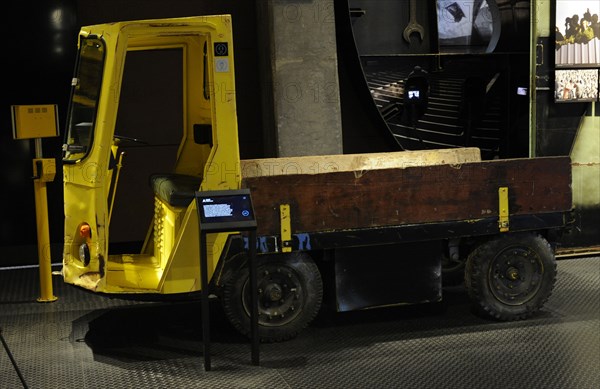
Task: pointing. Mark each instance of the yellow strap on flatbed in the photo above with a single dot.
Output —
(286, 228)
(503, 221)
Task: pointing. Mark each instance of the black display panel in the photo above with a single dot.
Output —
(414, 94)
(229, 210)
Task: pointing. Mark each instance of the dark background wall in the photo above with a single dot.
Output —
(40, 50)
(39, 57)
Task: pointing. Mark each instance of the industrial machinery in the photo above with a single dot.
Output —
(366, 230)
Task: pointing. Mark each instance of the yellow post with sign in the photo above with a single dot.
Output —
(37, 122)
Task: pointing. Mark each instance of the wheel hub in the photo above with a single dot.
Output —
(273, 292)
(512, 274)
(515, 275)
(280, 297)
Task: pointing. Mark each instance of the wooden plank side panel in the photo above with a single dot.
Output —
(319, 164)
(350, 200)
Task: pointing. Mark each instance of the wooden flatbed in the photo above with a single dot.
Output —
(435, 187)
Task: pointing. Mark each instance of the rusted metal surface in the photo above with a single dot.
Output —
(387, 197)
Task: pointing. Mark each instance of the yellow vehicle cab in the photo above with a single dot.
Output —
(168, 262)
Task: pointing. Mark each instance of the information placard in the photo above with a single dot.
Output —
(228, 210)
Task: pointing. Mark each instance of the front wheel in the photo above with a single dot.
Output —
(290, 292)
(512, 276)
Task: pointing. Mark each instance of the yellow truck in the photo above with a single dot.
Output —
(364, 230)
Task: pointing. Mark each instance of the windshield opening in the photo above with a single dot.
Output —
(85, 91)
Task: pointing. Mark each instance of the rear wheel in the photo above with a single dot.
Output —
(290, 292)
(512, 276)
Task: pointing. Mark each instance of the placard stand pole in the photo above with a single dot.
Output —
(253, 297)
(227, 211)
(205, 306)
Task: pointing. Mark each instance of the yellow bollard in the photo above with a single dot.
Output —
(37, 122)
(44, 170)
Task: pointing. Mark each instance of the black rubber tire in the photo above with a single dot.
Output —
(290, 296)
(512, 276)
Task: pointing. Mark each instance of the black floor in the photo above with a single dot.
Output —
(88, 341)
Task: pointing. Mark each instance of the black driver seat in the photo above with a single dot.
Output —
(175, 189)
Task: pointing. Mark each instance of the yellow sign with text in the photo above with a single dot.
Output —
(34, 121)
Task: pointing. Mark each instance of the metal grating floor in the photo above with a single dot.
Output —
(89, 341)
